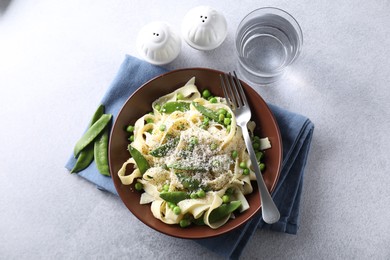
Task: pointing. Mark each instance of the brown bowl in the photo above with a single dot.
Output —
(139, 104)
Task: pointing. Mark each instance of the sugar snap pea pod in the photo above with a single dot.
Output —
(86, 155)
(173, 106)
(206, 111)
(199, 221)
(223, 211)
(98, 113)
(101, 153)
(139, 159)
(162, 150)
(84, 160)
(174, 196)
(92, 133)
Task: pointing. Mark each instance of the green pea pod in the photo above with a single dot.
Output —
(174, 196)
(86, 155)
(101, 153)
(98, 113)
(173, 106)
(84, 160)
(199, 221)
(162, 150)
(139, 159)
(92, 133)
(206, 111)
(223, 211)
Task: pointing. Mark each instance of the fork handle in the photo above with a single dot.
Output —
(270, 212)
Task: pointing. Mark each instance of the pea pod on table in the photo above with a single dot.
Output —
(84, 160)
(101, 153)
(92, 133)
(86, 156)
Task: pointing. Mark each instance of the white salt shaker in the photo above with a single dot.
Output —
(204, 28)
(158, 44)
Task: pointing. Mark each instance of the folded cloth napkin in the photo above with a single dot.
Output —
(296, 132)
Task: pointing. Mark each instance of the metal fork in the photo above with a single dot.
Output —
(235, 97)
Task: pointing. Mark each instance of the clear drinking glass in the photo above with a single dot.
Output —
(267, 41)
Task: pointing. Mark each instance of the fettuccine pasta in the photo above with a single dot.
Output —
(190, 159)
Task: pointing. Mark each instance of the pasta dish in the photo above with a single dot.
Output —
(189, 159)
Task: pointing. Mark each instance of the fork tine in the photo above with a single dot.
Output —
(235, 91)
(224, 90)
(230, 94)
(240, 89)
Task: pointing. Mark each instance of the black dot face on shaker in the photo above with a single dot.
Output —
(203, 18)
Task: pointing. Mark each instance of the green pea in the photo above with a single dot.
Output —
(131, 138)
(227, 121)
(157, 107)
(246, 171)
(177, 210)
(213, 146)
(256, 139)
(130, 129)
(91, 134)
(184, 223)
(101, 153)
(171, 205)
(226, 198)
(259, 156)
(201, 193)
(179, 96)
(213, 100)
(222, 111)
(206, 93)
(256, 146)
(242, 165)
(166, 187)
(194, 195)
(262, 167)
(234, 154)
(138, 186)
(162, 128)
(221, 117)
(194, 140)
(149, 120)
(228, 115)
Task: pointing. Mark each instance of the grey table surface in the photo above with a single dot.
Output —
(57, 59)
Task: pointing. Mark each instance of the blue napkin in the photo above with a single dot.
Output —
(296, 131)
